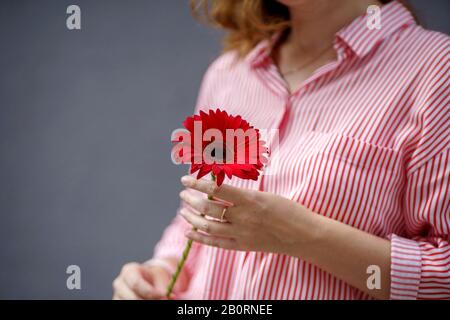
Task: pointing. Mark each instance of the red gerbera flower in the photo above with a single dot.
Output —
(224, 145)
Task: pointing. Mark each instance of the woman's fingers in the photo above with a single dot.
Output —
(123, 292)
(205, 225)
(131, 284)
(204, 206)
(220, 242)
(226, 192)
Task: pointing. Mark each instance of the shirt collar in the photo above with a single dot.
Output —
(261, 52)
(356, 35)
(361, 40)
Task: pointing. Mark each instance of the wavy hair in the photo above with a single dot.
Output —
(246, 22)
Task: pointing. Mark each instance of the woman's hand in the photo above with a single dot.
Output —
(140, 281)
(254, 220)
(261, 221)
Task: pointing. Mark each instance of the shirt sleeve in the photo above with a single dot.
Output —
(420, 265)
(173, 242)
(420, 258)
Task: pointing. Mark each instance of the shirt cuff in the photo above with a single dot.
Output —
(406, 265)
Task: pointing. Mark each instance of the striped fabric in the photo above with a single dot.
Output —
(365, 140)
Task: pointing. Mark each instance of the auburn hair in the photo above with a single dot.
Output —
(246, 22)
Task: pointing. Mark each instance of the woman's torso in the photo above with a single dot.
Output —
(345, 140)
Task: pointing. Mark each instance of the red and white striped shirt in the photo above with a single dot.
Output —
(365, 140)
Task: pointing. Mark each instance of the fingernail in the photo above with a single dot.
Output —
(187, 180)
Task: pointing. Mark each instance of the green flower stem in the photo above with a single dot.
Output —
(184, 256)
(179, 268)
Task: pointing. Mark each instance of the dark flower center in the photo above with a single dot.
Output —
(218, 153)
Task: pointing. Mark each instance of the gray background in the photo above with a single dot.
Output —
(85, 123)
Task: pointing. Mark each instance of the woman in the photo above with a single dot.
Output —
(358, 205)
